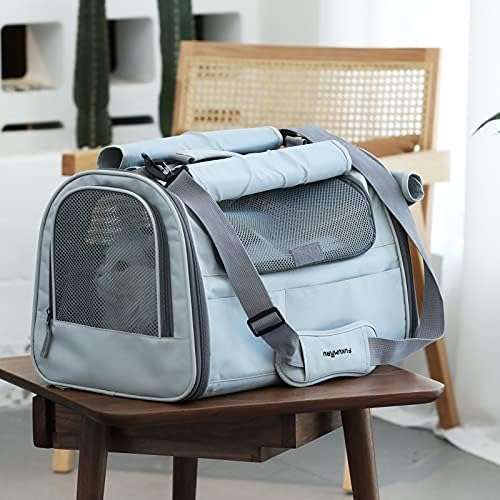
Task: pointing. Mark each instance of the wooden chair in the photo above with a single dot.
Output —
(250, 426)
(382, 99)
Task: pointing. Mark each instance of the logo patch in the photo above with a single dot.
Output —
(337, 352)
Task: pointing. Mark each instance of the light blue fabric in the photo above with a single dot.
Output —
(115, 363)
(243, 141)
(244, 175)
(238, 360)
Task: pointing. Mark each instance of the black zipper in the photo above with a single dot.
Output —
(402, 240)
(47, 341)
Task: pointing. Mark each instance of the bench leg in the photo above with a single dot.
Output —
(93, 461)
(360, 453)
(185, 477)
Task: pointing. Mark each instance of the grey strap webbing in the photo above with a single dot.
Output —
(264, 318)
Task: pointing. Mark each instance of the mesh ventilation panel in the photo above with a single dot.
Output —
(105, 262)
(287, 228)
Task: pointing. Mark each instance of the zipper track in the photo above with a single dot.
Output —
(200, 314)
(402, 240)
(165, 289)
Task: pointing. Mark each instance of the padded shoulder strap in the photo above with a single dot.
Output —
(266, 321)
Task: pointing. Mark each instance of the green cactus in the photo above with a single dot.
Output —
(176, 24)
(91, 86)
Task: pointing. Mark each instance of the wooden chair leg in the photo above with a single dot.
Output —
(437, 361)
(63, 461)
(185, 478)
(346, 482)
(360, 453)
(93, 461)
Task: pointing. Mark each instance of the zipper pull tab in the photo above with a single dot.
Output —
(48, 334)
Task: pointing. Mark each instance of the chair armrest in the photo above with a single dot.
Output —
(433, 166)
(78, 161)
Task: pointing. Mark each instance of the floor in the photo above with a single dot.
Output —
(413, 464)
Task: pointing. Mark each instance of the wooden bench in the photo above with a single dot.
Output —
(251, 426)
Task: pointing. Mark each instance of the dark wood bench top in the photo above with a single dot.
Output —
(386, 386)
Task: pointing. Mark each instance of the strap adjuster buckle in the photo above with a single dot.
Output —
(265, 321)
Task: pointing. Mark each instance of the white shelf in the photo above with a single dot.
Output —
(220, 27)
(36, 51)
(43, 93)
(133, 48)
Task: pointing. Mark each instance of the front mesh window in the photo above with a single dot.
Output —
(288, 228)
(105, 262)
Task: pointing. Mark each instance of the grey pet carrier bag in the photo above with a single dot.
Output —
(224, 261)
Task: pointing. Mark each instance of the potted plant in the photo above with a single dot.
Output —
(491, 119)
(92, 70)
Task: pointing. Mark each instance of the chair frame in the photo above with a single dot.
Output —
(419, 57)
(381, 146)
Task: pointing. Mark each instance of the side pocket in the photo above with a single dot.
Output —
(341, 352)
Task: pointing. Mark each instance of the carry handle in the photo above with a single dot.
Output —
(190, 156)
(243, 141)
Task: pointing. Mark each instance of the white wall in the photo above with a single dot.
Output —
(479, 331)
(24, 190)
(290, 22)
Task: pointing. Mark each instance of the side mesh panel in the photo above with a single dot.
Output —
(105, 262)
(288, 228)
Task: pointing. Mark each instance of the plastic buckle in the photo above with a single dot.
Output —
(260, 326)
(174, 172)
(161, 170)
(292, 138)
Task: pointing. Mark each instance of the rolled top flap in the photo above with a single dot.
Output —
(240, 176)
(250, 140)
(411, 184)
